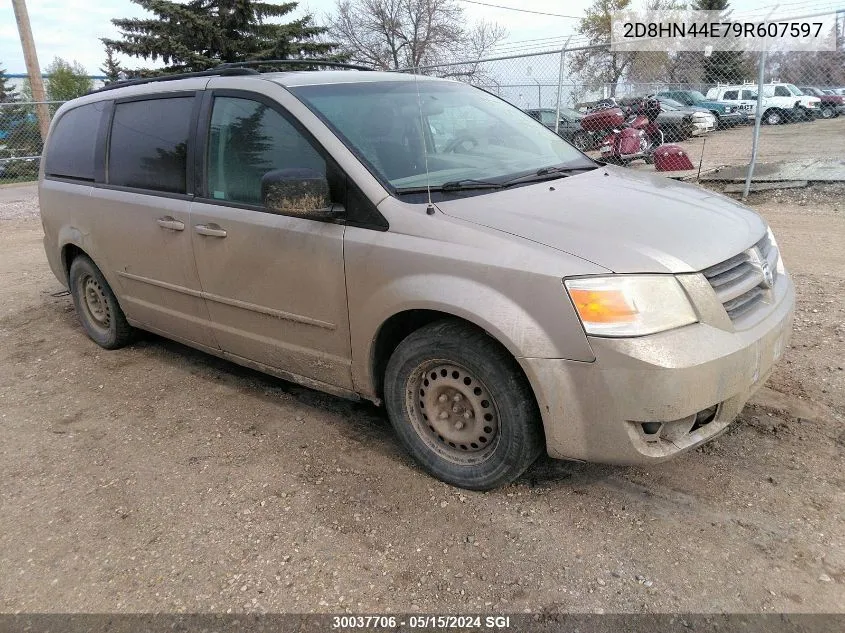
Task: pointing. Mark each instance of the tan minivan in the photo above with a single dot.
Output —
(421, 243)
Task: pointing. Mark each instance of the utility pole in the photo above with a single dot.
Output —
(32, 67)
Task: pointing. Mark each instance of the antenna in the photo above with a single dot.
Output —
(430, 209)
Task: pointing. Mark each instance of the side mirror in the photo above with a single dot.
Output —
(302, 192)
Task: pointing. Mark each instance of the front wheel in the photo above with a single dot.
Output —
(462, 407)
(96, 306)
(581, 141)
(827, 113)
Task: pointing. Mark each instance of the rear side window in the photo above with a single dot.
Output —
(731, 95)
(149, 144)
(70, 153)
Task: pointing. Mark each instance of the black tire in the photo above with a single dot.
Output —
(581, 141)
(96, 306)
(773, 116)
(484, 439)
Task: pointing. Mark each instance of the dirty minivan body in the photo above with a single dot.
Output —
(418, 243)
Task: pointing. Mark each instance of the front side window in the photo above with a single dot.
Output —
(149, 144)
(794, 90)
(731, 95)
(248, 141)
(782, 91)
(415, 134)
(70, 153)
(749, 94)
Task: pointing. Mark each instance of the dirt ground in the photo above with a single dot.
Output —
(156, 478)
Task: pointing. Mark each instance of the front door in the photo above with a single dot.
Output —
(274, 284)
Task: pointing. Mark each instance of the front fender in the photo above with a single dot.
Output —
(510, 323)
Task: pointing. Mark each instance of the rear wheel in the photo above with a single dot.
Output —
(462, 407)
(96, 306)
(828, 113)
(773, 117)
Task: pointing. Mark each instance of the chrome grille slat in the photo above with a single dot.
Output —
(726, 265)
(728, 276)
(739, 282)
(749, 280)
(744, 303)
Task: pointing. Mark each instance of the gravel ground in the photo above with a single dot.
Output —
(156, 478)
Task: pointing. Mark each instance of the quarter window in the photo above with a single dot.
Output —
(247, 140)
(70, 153)
(149, 144)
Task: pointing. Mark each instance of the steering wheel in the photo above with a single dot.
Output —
(460, 142)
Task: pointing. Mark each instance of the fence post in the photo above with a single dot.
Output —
(560, 83)
(758, 117)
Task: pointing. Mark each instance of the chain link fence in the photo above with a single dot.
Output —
(734, 113)
(21, 140)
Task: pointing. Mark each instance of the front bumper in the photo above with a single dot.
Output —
(596, 411)
(702, 127)
(732, 118)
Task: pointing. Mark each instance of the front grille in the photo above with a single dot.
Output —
(740, 282)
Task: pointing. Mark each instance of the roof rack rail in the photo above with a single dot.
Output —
(292, 62)
(229, 69)
(202, 73)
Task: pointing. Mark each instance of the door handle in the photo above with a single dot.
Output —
(168, 222)
(211, 230)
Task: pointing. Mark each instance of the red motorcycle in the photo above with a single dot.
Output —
(630, 133)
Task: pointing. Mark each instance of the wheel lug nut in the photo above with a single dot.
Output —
(443, 398)
(467, 414)
(459, 425)
(443, 415)
(457, 397)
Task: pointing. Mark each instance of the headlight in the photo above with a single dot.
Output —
(630, 305)
(780, 267)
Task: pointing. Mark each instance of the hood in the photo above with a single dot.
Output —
(620, 219)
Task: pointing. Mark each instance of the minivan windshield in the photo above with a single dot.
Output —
(414, 134)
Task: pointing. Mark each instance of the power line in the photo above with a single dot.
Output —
(499, 6)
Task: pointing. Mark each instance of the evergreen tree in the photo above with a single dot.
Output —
(7, 91)
(111, 67)
(201, 34)
(727, 67)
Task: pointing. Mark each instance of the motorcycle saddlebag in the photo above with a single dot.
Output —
(671, 158)
(603, 119)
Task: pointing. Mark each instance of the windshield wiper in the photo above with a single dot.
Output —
(468, 183)
(545, 173)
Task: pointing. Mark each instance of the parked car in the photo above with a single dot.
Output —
(727, 114)
(782, 103)
(569, 126)
(420, 243)
(830, 106)
(679, 121)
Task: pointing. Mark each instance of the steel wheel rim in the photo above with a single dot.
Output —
(453, 412)
(95, 302)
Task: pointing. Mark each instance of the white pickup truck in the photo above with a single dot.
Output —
(781, 102)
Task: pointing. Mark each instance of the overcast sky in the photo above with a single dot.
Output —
(72, 28)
